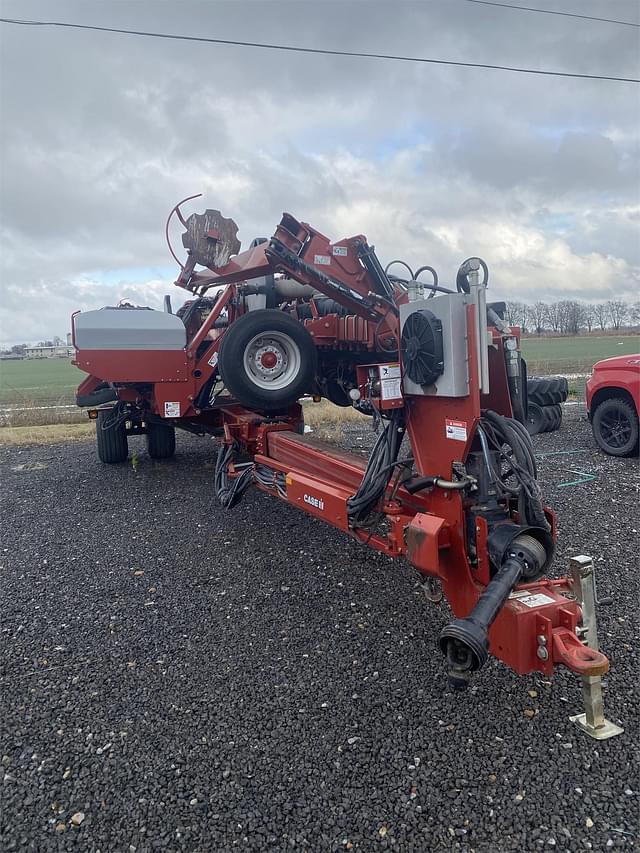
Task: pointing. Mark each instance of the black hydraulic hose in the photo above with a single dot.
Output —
(402, 263)
(427, 268)
(419, 483)
(436, 287)
(462, 280)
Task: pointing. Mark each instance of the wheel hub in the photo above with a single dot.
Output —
(269, 360)
(617, 431)
(272, 360)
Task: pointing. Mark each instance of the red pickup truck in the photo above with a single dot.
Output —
(613, 403)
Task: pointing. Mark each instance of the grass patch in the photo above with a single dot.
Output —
(37, 415)
(50, 434)
(327, 420)
(547, 355)
(325, 413)
(39, 379)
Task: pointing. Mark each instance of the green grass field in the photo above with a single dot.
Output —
(37, 380)
(574, 355)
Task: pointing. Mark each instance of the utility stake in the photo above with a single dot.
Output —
(593, 721)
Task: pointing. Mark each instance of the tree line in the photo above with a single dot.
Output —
(570, 316)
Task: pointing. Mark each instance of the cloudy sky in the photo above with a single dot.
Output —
(103, 133)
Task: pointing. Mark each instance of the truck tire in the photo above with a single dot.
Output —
(111, 438)
(615, 427)
(536, 419)
(547, 392)
(267, 359)
(161, 440)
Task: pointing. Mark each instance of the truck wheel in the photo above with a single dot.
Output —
(267, 359)
(615, 427)
(161, 440)
(111, 437)
(536, 419)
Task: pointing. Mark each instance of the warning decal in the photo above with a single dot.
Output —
(390, 389)
(172, 410)
(342, 251)
(455, 430)
(390, 371)
(322, 260)
(536, 600)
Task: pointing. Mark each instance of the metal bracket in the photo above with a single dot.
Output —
(593, 721)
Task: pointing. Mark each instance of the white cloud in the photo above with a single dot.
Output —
(105, 133)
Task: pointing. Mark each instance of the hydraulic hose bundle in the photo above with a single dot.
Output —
(518, 552)
(513, 444)
(229, 491)
(379, 470)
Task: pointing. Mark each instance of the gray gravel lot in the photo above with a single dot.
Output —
(190, 678)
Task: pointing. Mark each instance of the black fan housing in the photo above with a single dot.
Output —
(421, 347)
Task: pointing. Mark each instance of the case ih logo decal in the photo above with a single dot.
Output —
(318, 503)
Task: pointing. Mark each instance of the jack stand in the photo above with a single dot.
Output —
(593, 721)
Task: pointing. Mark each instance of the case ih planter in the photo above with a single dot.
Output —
(299, 314)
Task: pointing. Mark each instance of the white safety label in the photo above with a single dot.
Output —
(390, 389)
(213, 360)
(322, 260)
(341, 251)
(537, 600)
(390, 384)
(456, 430)
(389, 371)
(172, 410)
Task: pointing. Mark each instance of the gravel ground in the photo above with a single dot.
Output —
(179, 677)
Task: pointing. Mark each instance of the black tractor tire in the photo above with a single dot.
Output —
(267, 359)
(536, 419)
(111, 438)
(615, 427)
(547, 392)
(335, 393)
(552, 417)
(161, 440)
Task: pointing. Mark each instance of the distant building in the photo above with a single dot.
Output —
(49, 352)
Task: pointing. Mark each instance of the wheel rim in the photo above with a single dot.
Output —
(272, 360)
(615, 429)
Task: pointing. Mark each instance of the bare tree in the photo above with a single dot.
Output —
(524, 316)
(563, 315)
(618, 312)
(553, 316)
(589, 315)
(601, 313)
(538, 316)
(574, 316)
(634, 313)
(513, 313)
